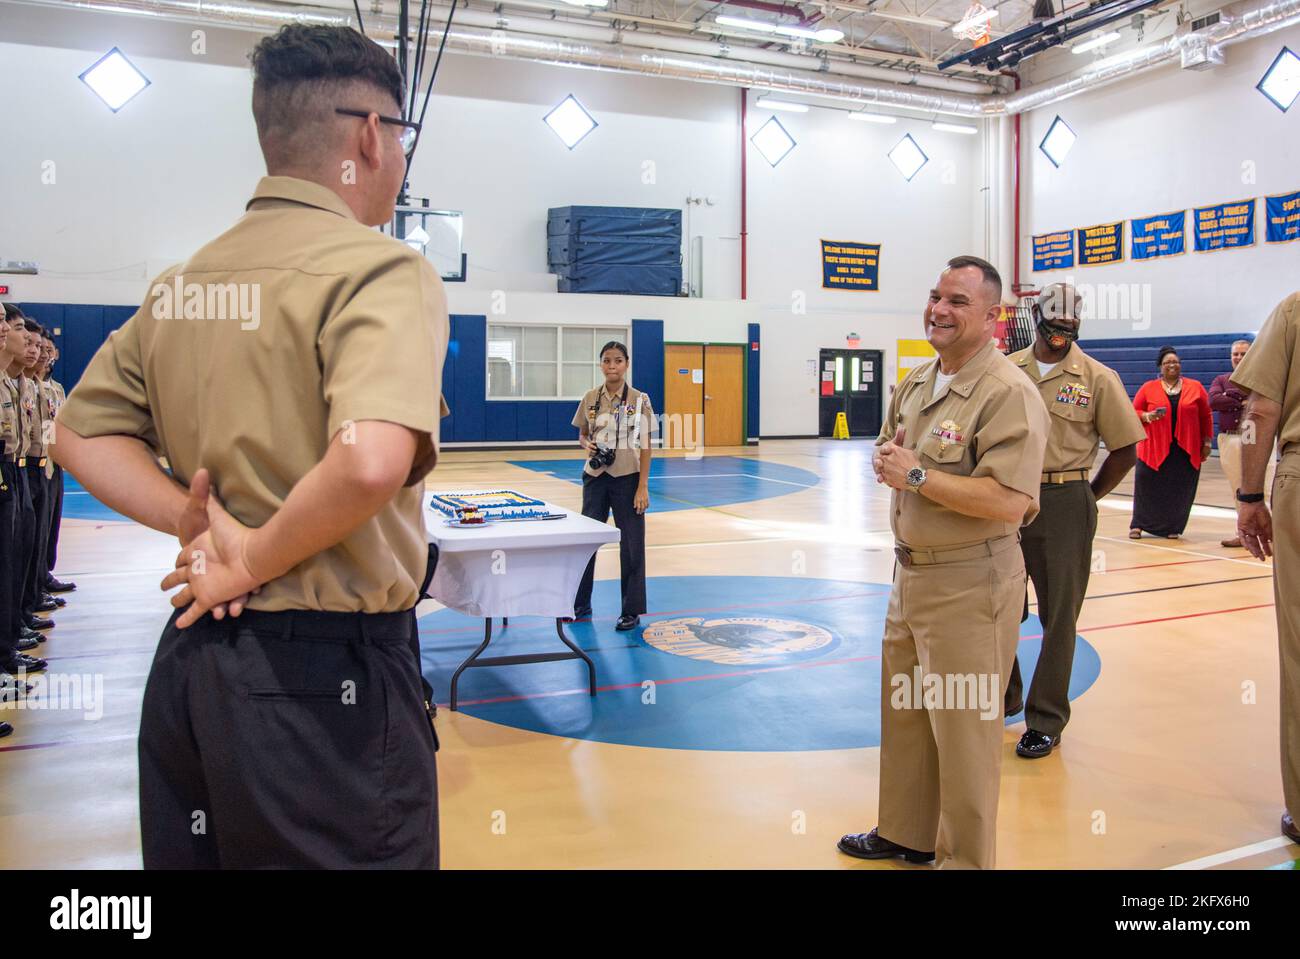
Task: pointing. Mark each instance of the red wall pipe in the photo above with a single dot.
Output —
(744, 233)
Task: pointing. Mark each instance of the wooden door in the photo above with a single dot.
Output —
(724, 395)
(683, 396)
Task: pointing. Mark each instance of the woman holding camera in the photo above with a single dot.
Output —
(614, 422)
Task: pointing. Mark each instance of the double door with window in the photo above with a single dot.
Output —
(850, 382)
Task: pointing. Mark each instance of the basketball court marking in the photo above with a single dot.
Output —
(1232, 855)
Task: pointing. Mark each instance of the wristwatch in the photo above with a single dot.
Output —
(915, 479)
(1241, 497)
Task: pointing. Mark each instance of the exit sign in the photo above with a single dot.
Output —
(4, 290)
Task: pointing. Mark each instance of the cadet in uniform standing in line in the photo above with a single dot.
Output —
(37, 484)
(614, 424)
(8, 488)
(58, 398)
(297, 733)
(962, 448)
(21, 348)
(1088, 404)
(1271, 372)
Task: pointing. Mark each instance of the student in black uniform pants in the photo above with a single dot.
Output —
(614, 423)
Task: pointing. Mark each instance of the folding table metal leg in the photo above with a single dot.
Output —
(455, 677)
(591, 667)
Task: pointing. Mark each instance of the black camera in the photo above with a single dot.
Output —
(601, 457)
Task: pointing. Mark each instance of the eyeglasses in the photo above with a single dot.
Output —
(410, 129)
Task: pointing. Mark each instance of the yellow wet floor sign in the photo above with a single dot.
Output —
(841, 431)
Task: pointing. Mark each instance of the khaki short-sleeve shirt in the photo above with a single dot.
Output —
(10, 427)
(293, 325)
(1271, 367)
(988, 421)
(33, 436)
(613, 421)
(1088, 405)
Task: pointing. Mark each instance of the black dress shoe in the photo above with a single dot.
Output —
(46, 605)
(5, 730)
(1036, 745)
(36, 622)
(26, 643)
(627, 622)
(53, 585)
(58, 601)
(22, 663)
(1289, 828)
(871, 845)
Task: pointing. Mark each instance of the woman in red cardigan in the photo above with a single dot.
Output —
(1176, 412)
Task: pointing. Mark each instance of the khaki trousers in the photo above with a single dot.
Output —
(1230, 460)
(1286, 595)
(953, 626)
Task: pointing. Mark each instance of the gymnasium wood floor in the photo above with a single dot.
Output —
(1161, 748)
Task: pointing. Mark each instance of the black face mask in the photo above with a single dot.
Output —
(1058, 337)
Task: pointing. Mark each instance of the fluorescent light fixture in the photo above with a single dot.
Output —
(587, 3)
(984, 16)
(908, 157)
(909, 18)
(872, 117)
(1281, 82)
(570, 121)
(1060, 138)
(825, 35)
(953, 127)
(114, 78)
(771, 103)
(773, 141)
(1100, 40)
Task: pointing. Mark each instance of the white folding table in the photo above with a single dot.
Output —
(514, 568)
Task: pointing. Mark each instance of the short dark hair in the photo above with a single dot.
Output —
(614, 345)
(33, 327)
(12, 312)
(1164, 351)
(989, 271)
(301, 73)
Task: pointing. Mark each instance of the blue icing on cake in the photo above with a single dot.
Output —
(498, 503)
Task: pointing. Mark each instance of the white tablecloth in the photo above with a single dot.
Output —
(526, 568)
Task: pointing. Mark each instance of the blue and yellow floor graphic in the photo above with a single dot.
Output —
(679, 483)
(744, 663)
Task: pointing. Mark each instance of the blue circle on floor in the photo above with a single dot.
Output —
(679, 483)
(743, 663)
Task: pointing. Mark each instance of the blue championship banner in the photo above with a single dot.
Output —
(1054, 251)
(850, 266)
(1282, 218)
(1154, 236)
(1224, 226)
(1100, 244)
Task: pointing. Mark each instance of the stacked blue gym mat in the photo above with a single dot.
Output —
(615, 249)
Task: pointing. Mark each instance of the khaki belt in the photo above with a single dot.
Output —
(908, 556)
(1065, 476)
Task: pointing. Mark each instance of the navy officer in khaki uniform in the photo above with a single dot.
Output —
(1088, 405)
(1271, 372)
(962, 448)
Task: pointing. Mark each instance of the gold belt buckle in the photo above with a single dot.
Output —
(22, 461)
(904, 556)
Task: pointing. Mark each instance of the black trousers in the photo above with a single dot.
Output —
(601, 495)
(24, 546)
(9, 497)
(1058, 558)
(294, 739)
(56, 520)
(37, 572)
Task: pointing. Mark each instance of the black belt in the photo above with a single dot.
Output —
(314, 624)
(1056, 477)
(34, 462)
